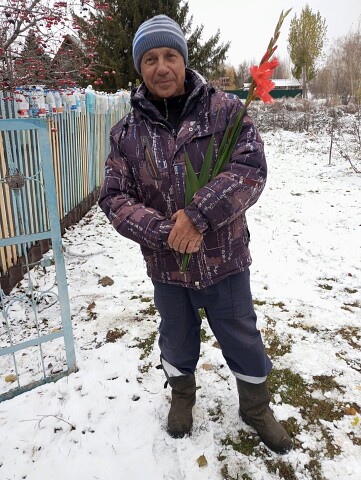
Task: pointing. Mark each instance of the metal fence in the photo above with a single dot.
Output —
(25, 333)
(51, 169)
(79, 139)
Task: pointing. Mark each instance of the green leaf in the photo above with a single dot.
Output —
(225, 139)
(185, 262)
(192, 183)
(206, 167)
(192, 186)
(233, 136)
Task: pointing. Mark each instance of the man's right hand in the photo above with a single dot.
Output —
(184, 236)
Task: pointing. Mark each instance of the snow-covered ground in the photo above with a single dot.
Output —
(107, 421)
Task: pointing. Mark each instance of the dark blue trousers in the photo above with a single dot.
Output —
(229, 309)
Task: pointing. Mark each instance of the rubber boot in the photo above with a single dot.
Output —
(180, 418)
(255, 411)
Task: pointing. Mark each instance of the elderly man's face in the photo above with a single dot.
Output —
(163, 72)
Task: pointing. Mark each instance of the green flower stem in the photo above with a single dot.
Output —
(185, 262)
(229, 141)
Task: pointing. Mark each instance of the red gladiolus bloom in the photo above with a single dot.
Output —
(261, 76)
(263, 92)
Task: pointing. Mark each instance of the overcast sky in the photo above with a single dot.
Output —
(249, 25)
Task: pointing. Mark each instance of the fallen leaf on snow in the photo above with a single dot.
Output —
(202, 461)
(91, 306)
(350, 411)
(207, 367)
(106, 281)
(10, 378)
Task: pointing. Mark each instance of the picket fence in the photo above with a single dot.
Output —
(79, 138)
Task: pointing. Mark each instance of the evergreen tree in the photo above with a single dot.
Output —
(33, 64)
(207, 58)
(112, 28)
(306, 40)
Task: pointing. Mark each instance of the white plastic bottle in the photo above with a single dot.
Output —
(90, 99)
(101, 103)
(71, 101)
(64, 101)
(50, 101)
(41, 102)
(58, 104)
(22, 105)
(82, 102)
(33, 103)
(77, 101)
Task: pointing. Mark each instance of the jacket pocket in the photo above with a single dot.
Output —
(150, 160)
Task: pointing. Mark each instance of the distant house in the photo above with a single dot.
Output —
(283, 88)
(70, 46)
(281, 84)
(68, 61)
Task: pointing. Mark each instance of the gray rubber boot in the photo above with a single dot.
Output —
(180, 418)
(255, 411)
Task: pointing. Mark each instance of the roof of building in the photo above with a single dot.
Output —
(281, 82)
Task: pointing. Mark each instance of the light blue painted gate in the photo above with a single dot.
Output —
(25, 332)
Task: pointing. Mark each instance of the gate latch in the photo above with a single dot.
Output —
(16, 181)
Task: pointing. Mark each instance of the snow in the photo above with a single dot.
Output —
(107, 420)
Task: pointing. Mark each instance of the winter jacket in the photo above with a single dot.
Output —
(145, 181)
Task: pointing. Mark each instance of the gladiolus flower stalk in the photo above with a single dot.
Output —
(260, 87)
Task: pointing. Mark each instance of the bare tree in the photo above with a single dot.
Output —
(341, 75)
(348, 84)
(242, 73)
(323, 85)
(283, 70)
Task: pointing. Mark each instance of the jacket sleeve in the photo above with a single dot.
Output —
(120, 203)
(235, 189)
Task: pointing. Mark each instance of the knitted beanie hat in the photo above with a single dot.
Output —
(159, 31)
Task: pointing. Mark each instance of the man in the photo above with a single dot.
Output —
(175, 111)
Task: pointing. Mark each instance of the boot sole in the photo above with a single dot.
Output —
(178, 435)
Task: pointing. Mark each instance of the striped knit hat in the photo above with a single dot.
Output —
(159, 31)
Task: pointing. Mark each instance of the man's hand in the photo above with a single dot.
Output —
(184, 236)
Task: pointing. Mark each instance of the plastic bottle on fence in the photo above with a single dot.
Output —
(71, 101)
(90, 99)
(102, 103)
(58, 104)
(77, 101)
(50, 101)
(64, 101)
(115, 102)
(41, 102)
(47, 106)
(22, 105)
(110, 103)
(33, 103)
(82, 102)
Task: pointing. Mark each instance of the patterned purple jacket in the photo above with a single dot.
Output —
(145, 177)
